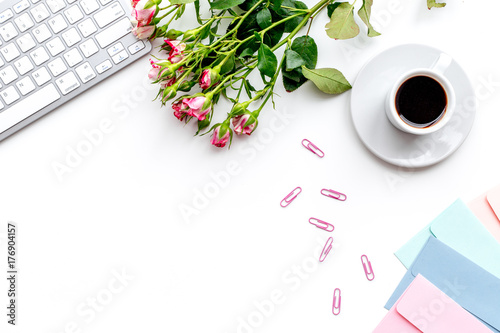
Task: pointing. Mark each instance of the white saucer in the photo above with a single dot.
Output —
(380, 136)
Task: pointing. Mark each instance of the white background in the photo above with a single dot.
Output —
(119, 209)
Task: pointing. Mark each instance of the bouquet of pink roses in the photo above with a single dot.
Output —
(216, 61)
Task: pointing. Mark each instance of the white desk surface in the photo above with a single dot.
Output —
(118, 210)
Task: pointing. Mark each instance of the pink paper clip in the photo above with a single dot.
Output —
(367, 266)
(321, 224)
(334, 194)
(336, 301)
(326, 249)
(312, 148)
(290, 197)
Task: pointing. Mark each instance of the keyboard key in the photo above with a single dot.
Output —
(136, 47)
(20, 6)
(105, 2)
(42, 33)
(8, 74)
(35, 1)
(104, 66)
(56, 5)
(57, 67)
(67, 83)
(1, 105)
(1, 64)
(73, 14)
(39, 56)
(73, 57)
(89, 48)
(41, 76)
(55, 46)
(24, 22)
(89, 6)
(120, 57)
(87, 27)
(85, 72)
(71, 1)
(5, 15)
(40, 12)
(10, 95)
(71, 37)
(8, 31)
(112, 33)
(115, 49)
(25, 85)
(28, 106)
(109, 14)
(57, 23)
(10, 52)
(23, 65)
(26, 42)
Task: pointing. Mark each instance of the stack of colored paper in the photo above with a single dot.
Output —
(453, 278)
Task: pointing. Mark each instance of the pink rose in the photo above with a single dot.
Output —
(244, 124)
(221, 136)
(176, 53)
(180, 110)
(143, 32)
(209, 77)
(192, 106)
(134, 3)
(153, 73)
(167, 82)
(196, 109)
(143, 16)
(205, 80)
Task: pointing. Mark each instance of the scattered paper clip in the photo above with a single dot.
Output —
(336, 301)
(312, 148)
(290, 197)
(326, 249)
(334, 194)
(321, 224)
(367, 266)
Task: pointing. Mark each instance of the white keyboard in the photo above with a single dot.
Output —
(53, 50)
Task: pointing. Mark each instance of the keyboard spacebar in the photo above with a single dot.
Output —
(28, 106)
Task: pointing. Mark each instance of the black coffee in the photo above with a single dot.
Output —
(421, 101)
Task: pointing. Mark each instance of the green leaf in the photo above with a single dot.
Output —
(228, 65)
(342, 24)
(291, 24)
(180, 2)
(266, 61)
(364, 13)
(224, 4)
(247, 52)
(197, 9)
(433, 3)
(293, 60)
(291, 85)
(331, 7)
(264, 18)
(328, 80)
(306, 47)
(308, 50)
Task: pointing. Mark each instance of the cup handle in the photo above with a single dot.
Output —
(441, 63)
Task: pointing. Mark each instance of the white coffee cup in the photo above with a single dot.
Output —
(435, 72)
